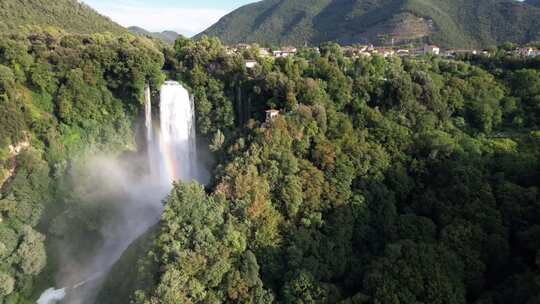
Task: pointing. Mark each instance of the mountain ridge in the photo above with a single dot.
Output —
(167, 36)
(461, 23)
(69, 15)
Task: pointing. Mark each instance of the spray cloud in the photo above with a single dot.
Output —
(116, 200)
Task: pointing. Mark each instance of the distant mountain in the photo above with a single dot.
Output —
(457, 23)
(533, 2)
(167, 36)
(70, 15)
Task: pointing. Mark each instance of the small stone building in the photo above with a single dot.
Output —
(271, 115)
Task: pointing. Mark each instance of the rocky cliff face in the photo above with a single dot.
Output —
(10, 164)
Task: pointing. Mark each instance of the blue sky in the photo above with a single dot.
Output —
(187, 17)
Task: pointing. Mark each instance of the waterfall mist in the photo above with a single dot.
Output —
(125, 196)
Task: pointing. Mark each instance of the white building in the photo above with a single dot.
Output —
(250, 64)
(271, 115)
(432, 49)
(243, 46)
(285, 52)
(528, 52)
(525, 52)
(403, 52)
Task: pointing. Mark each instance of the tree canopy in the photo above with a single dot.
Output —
(381, 181)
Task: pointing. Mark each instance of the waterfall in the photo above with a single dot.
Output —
(172, 153)
(148, 113)
(151, 148)
(172, 156)
(177, 147)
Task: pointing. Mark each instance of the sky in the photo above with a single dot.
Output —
(187, 17)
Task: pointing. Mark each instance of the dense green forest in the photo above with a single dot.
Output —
(456, 24)
(61, 96)
(382, 181)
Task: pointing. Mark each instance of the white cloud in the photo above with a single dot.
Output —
(186, 21)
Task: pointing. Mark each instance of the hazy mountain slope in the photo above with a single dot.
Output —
(70, 15)
(450, 23)
(167, 36)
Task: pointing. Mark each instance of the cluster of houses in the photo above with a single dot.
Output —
(263, 52)
(370, 50)
(528, 52)
(428, 49)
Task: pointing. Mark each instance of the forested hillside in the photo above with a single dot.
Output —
(70, 15)
(61, 97)
(381, 181)
(167, 36)
(460, 24)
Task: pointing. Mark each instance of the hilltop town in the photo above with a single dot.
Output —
(356, 51)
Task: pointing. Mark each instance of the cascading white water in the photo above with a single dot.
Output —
(177, 147)
(172, 153)
(172, 156)
(148, 113)
(151, 148)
